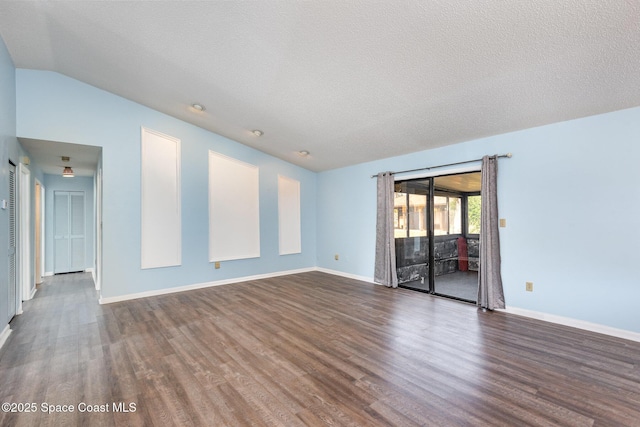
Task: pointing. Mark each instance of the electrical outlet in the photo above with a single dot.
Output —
(503, 222)
(217, 265)
(336, 257)
(529, 286)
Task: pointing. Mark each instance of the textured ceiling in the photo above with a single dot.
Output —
(83, 159)
(349, 81)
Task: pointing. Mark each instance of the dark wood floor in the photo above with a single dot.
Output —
(307, 349)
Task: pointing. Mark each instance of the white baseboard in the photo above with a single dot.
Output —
(33, 292)
(109, 300)
(5, 335)
(347, 275)
(566, 321)
(93, 276)
(48, 273)
(575, 323)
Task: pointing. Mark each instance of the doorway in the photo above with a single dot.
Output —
(437, 234)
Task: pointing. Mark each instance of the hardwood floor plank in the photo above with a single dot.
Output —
(392, 416)
(307, 349)
(122, 378)
(258, 398)
(205, 371)
(242, 412)
(199, 406)
(172, 397)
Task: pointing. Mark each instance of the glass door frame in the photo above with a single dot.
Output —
(430, 221)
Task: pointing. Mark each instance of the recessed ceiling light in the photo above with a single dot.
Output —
(303, 153)
(257, 132)
(198, 107)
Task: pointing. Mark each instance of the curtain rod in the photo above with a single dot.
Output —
(508, 155)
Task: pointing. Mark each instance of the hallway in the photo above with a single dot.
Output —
(55, 355)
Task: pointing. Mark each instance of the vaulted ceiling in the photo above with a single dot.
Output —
(349, 81)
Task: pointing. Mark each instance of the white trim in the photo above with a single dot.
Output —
(347, 275)
(93, 275)
(48, 273)
(24, 233)
(33, 292)
(566, 321)
(43, 217)
(551, 318)
(37, 273)
(5, 335)
(146, 294)
(575, 323)
(98, 227)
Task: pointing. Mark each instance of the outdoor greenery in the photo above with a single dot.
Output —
(473, 205)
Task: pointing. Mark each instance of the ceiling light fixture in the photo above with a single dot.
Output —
(67, 172)
(303, 153)
(257, 132)
(198, 107)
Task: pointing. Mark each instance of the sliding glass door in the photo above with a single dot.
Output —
(411, 216)
(437, 225)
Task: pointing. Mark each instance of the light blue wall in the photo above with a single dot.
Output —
(54, 183)
(571, 199)
(51, 106)
(10, 150)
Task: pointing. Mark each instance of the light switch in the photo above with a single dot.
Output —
(5, 205)
(503, 222)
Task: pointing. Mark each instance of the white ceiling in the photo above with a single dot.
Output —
(83, 159)
(349, 81)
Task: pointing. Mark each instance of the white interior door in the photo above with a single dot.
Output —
(69, 231)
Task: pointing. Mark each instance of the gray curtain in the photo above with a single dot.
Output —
(385, 268)
(490, 293)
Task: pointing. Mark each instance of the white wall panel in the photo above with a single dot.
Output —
(234, 209)
(161, 243)
(289, 216)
